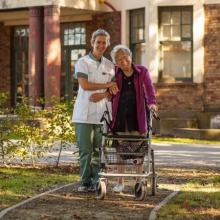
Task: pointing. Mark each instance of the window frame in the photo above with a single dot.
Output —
(182, 39)
(132, 13)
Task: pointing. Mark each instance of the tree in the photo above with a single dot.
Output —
(59, 125)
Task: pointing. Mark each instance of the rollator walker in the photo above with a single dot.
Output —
(129, 151)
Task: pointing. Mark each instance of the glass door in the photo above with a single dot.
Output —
(73, 47)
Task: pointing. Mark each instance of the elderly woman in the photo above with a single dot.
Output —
(136, 93)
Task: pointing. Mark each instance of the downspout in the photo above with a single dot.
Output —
(108, 4)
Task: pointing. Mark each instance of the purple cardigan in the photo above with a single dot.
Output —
(145, 93)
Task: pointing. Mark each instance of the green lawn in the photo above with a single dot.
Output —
(199, 198)
(21, 183)
(182, 140)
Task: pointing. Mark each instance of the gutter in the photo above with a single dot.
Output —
(108, 4)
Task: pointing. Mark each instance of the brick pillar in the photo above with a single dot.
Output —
(35, 55)
(212, 58)
(52, 53)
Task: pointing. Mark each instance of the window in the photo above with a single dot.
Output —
(137, 29)
(73, 37)
(176, 38)
(74, 34)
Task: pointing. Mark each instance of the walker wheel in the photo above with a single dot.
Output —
(101, 189)
(140, 190)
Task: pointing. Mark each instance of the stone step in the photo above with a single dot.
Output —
(167, 125)
(177, 114)
(196, 133)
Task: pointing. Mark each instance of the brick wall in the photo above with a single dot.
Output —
(5, 74)
(111, 22)
(198, 97)
(212, 57)
(180, 96)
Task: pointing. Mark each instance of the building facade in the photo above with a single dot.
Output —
(177, 40)
(40, 42)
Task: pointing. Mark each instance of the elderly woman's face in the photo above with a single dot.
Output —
(123, 60)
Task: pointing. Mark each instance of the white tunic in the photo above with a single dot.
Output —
(85, 111)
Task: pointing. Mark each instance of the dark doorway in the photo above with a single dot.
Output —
(20, 64)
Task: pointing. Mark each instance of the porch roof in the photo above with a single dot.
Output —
(15, 12)
(93, 5)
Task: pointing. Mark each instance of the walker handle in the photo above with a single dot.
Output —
(155, 114)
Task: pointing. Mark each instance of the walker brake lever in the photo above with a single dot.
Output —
(155, 114)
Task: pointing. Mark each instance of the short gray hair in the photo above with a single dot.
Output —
(118, 48)
(100, 32)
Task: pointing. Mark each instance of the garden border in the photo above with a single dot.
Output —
(153, 213)
(5, 211)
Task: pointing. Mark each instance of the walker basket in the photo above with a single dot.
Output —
(122, 151)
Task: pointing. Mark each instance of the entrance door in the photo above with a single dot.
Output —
(20, 64)
(73, 47)
(69, 84)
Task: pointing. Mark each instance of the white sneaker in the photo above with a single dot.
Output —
(118, 188)
(82, 189)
